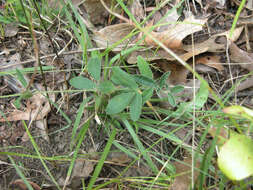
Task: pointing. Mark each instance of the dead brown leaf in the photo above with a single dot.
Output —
(137, 10)
(168, 22)
(37, 108)
(240, 56)
(118, 157)
(178, 72)
(248, 4)
(183, 171)
(19, 183)
(96, 11)
(172, 37)
(213, 44)
(211, 61)
(221, 133)
(109, 35)
(245, 60)
(247, 83)
(236, 34)
(82, 168)
(10, 30)
(210, 45)
(151, 54)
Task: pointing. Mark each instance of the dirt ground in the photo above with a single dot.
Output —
(52, 126)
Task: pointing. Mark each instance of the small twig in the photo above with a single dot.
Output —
(228, 60)
(45, 28)
(59, 60)
(115, 14)
(247, 38)
(36, 51)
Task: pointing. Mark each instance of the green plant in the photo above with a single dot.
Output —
(123, 89)
(118, 96)
(14, 13)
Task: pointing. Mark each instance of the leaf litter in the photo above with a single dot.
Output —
(172, 28)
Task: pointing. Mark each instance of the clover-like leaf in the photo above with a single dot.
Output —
(106, 87)
(123, 78)
(171, 99)
(177, 89)
(135, 107)
(147, 94)
(119, 102)
(82, 83)
(94, 67)
(145, 81)
(144, 67)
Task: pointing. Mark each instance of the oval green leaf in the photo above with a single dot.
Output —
(201, 96)
(163, 80)
(144, 67)
(119, 102)
(106, 87)
(177, 89)
(82, 83)
(135, 107)
(171, 100)
(147, 94)
(123, 78)
(145, 81)
(236, 157)
(94, 67)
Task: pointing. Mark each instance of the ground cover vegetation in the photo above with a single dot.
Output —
(126, 94)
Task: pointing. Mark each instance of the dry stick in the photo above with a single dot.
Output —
(45, 28)
(36, 53)
(247, 37)
(194, 100)
(228, 61)
(34, 40)
(54, 49)
(115, 14)
(37, 57)
(65, 77)
(36, 50)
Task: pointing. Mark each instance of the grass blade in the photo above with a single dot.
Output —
(102, 159)
(140, 146)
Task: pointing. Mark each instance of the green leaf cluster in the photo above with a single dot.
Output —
(127, 91)
(123, 89)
